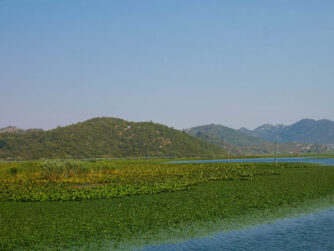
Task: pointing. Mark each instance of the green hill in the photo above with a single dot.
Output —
(104, 137)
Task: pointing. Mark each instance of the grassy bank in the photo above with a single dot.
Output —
(65, 224)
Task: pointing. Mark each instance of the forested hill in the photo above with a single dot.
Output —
(102, 137)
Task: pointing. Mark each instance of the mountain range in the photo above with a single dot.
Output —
(113, 137)
(304, 131)
(232, 141)
(236, 142)
(305, 136)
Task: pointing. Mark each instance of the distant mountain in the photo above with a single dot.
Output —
(10, 129)
(245, 142)
(14, 129)
(100, 137)
(304, 131)
(231, 140)
(245, 131)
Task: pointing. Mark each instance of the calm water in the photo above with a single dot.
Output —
(329, 161)
(311, 232)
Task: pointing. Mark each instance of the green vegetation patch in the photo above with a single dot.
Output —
(105, 224)
(78, 180)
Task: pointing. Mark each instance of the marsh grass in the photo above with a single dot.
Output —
(77, 225)
(70, 179)
(59, 170)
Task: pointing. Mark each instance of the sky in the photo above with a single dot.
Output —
(182, 63)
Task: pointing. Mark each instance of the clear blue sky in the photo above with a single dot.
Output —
(180, 63)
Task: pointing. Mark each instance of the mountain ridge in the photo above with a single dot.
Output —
(303, 131)
(238, 142)
(230, 139)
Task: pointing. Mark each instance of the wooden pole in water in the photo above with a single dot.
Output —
(275, 153)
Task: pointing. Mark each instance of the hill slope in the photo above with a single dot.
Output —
(304, 131)
(101, 137)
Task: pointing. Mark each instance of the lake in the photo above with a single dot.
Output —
(324, 161)
(310, 232)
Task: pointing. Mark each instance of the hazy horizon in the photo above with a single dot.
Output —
(178, 63)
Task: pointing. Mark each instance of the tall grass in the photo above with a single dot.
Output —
(58, 170)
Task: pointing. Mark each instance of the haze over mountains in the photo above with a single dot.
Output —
(230, 140)
(303, 131)
(305, 136)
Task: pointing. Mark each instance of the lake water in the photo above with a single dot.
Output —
(311, 232)
(324, 161)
